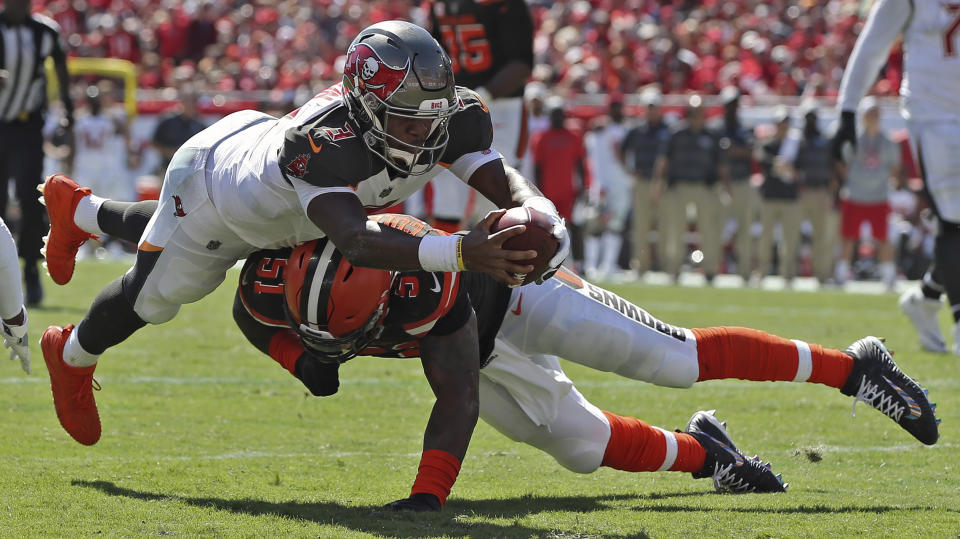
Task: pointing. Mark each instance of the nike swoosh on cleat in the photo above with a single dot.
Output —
(519, 306)
(436, 283)
(912, 404)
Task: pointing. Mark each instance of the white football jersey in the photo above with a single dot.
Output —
(101, 157)
(263, 171)
(601, 148)
(931, 36)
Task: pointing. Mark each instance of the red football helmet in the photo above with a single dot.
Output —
(337, 308)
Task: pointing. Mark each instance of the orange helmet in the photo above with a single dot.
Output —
(337, 308)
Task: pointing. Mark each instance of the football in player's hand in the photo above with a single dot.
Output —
(537, 237)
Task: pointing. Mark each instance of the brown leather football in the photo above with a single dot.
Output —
(537, 237)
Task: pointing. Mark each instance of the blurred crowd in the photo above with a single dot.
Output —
(674, 191)
(749, 207)
(774, 47)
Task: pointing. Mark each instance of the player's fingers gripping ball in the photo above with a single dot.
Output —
(538, 237)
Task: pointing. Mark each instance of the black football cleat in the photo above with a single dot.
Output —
(877, 381)
(730, 469)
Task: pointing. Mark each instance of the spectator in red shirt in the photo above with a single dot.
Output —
(560, 171)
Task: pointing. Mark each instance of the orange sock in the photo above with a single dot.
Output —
(437, 473)
(635, 446)
(751, 354)
(286, 348)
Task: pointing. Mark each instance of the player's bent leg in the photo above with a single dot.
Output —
(581, 437)
(574, 319)
(126, 220)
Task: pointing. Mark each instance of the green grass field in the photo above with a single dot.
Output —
(203, 436)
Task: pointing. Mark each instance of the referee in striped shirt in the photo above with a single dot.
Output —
(26, 41)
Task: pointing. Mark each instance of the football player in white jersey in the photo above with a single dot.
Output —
(252, 181)
(603, 149)
(101, 149)
(930, 103)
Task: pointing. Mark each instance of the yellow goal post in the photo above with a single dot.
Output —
(115, 68)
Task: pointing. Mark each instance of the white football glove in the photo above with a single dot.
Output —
(15, 338)
(559, 232)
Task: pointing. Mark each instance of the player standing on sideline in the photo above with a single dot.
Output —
(930, 103)
(12, 311)
(490, 44)
(602, 250)
(252, 181)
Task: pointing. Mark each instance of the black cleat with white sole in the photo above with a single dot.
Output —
(877, 381)
(730, 469)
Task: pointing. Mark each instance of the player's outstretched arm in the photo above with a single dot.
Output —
(452, 366)
(368, 244)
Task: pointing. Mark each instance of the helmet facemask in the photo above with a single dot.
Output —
(326, 346)
(404, 157)
(336, 308)
(396, 72)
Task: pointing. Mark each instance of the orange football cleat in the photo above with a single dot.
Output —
(72, 388)
(61, 196)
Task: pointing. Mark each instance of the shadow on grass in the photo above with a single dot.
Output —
(376, 520)
(452, 522)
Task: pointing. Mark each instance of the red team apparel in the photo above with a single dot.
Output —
(557, 152)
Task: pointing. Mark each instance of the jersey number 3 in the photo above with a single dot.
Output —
(468, 47)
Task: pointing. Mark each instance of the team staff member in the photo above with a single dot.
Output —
(490, 44)
(779, 204)
(818, 182)
(26, 41)
(736, 146)
(687, 171)
(639, 152)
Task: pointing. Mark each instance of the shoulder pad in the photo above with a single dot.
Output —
(471, 129)
(326, 153)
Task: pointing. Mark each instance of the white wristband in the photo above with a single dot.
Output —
(439, 253)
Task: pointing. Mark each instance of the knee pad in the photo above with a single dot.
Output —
(156, 311)
(576, 439)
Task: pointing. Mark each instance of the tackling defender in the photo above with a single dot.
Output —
(310, 310)
(251, 181)
(930, 102)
